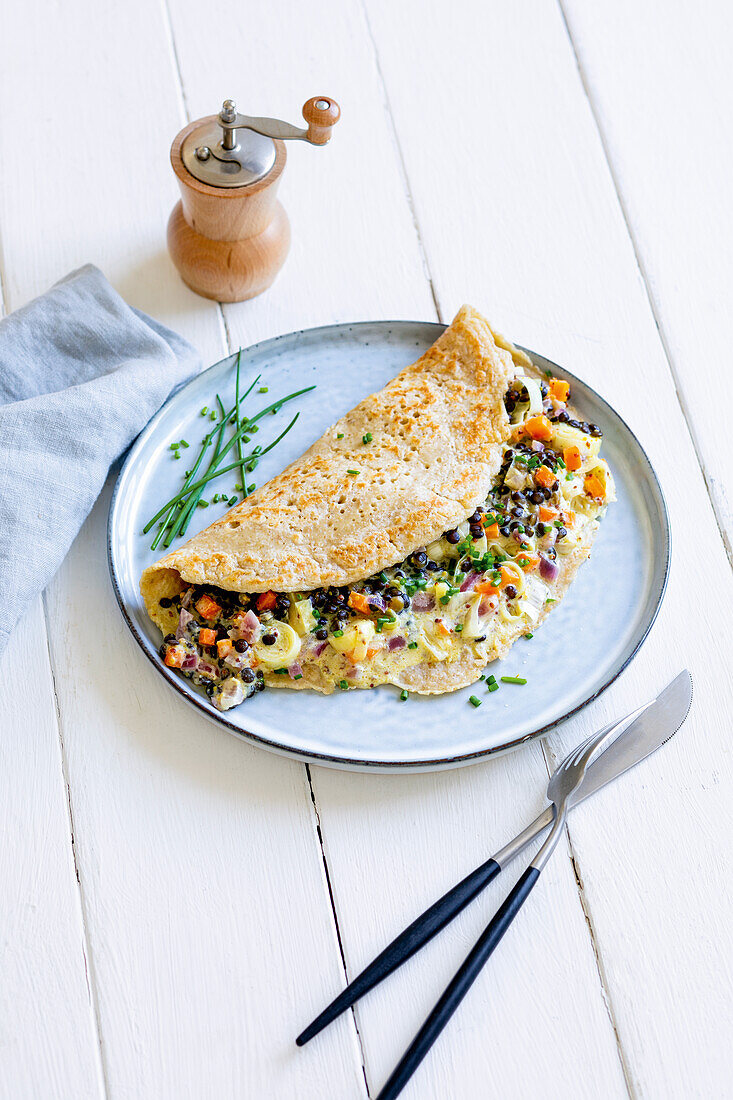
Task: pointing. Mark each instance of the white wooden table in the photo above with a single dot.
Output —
(175, 905)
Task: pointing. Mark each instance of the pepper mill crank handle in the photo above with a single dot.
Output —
(321, 113)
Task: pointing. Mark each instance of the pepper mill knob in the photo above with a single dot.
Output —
(321, 114)
(229, 236)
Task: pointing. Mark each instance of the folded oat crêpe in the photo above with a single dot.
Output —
(414, 542)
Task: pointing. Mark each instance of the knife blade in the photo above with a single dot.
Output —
(640, 734)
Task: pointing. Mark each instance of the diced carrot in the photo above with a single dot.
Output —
(560, 390)
(359, 602)
(207, 637)
(173, 657)
(544, 476)
(538, 427)
(492, 530)
(371, 651)
(266, 601)
(486, 589)
(573, 461)
(532, 560)
(224, 647)
(568, 518)
(207, 607)
(442, 628)
(547, 514)
(507, 577)
(594, 486)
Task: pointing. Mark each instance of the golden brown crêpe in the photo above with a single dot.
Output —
(437, 434)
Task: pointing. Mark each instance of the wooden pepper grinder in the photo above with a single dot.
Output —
(229, 235)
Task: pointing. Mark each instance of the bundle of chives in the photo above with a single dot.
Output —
(176, 514)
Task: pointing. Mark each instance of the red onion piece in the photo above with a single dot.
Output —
(487, 604)
(247, 627)
(537, 446)
(548, 569)
(207, 670)
(184, 619)
(422, 602)
(294, 670)
(377, 601)
(186, 597)
(190, 662)
(396, 643)
(470, 581)
(318, 649)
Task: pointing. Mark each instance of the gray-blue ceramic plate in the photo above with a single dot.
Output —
(581, 648)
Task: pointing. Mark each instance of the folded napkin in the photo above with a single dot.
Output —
(81, 373)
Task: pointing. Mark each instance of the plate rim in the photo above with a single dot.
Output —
(202, 706)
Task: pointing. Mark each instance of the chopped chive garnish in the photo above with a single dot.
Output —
(492, 679)
(263, 389)
(412, 645)
(340, 435)
(474, 701)
(568, 477)
(298, 676)
(513, 680)
(212, 416)
(203, 503)
(548, 373)
(338, 633)
(352, 473)
(403, 695)
(459, 629)
(174, 446)
(176, 455)
(215, 498)
(343, 685)
(280, 671)
(367, 438)
(251, 488)
(493, 687)
(529, 635)
(445, 599)
(184, 443)
(550, 600)
(204, 410)
(231, 501)
(482, 677)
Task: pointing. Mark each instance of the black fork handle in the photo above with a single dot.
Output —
(406, 944)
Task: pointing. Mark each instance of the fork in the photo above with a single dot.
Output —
(559, 790)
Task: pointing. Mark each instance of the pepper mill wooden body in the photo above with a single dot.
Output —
(228, 239)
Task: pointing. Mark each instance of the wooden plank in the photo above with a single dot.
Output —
(370, 824)
(659, 86)
(47, 1026)
(536, 235)
(208, 914)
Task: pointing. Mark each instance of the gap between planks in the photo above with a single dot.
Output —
(641, 267)
(89, 968)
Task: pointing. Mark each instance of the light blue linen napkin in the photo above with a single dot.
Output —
(81, 373)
